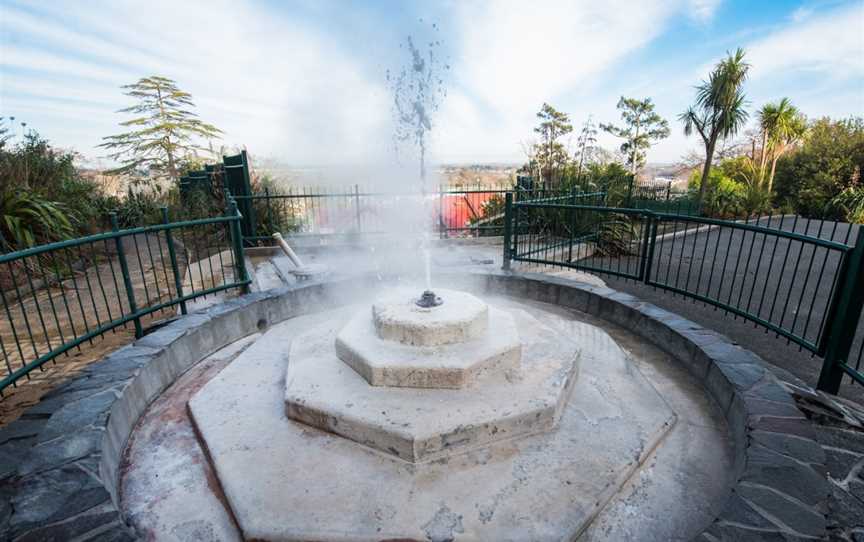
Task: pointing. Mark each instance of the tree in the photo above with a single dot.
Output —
(641, 126)
(782, 126)
(719, 111)
(829, 161)
(164, 129)
(550, 154)
(585, 145)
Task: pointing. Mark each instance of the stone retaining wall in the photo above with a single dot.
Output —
(59, 463)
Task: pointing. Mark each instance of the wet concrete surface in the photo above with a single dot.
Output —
(674, 494)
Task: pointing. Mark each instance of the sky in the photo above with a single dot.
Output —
(304, 82)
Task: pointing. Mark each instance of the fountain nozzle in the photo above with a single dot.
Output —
(428, 300)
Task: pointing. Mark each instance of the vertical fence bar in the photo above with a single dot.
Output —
(172, 256)
(844, 320)
(127, 279)
(357, 208)
(237, 241)
(508, 218)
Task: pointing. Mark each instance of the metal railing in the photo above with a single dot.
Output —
(802, 287)
(453, 212)
(58, 297)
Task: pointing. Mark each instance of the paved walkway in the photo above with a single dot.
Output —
(770, 274)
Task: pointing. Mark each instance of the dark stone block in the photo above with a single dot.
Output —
(728, 533)
(769, 468)
(795, 426)
(573, 297)
(86, 412)
(48, 406)
(53, 496)
(802, 449)
(74, 445)
(803, 519)
(79, 525)
(755, 405)
(118, 533)
(12, 454)
(844, 510)
(742, 376)
(770, 389)
(839, 462)
(837, 437)
(738, 511)
(19, 429)
(856, 488)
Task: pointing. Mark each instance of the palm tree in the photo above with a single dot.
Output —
(719, 109)
(782, 126)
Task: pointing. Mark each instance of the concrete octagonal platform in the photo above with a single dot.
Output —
(420, 425)
(307, 484)
(454, 365)
(461, 317)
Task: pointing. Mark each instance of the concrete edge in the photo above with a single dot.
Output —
(59, 463)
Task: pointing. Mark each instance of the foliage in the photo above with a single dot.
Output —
(28, 218)
(163, 129)
(615, 236)
(586, 145)
(272, 217)
(549, 155)
(827, 163)
(42, 198)
(611, 178)
(782, 127)
(641, 127)
(719, 111)
(850, 202)
(490, 220)
(726, 197)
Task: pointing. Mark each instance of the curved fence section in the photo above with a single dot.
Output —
(804, 285)
(57, 298)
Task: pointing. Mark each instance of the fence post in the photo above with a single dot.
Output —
(508, 219)
(843, 321)
(127, 279)
(573, 201)
(357, 207)
(442, 227)
(648, 248)
(237, 242)
(172, 256)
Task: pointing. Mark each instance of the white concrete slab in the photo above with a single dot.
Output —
(457, 365)
(421, 425)
(461, 317)
(287, 481)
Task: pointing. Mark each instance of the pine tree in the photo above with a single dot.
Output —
(550, 154)
(165, 130)
(641, 126)
(585, 145)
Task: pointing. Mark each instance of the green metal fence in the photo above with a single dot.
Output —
(60, 297)
(798, 284)
(454, 212)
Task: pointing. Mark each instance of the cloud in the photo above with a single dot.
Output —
(270, 82)
(517, 54)
(830, 45)
(702, 10)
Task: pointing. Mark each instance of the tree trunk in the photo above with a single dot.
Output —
(764, 157)
(706, 169)
(773, 169)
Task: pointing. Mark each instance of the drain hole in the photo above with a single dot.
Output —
(262, 324)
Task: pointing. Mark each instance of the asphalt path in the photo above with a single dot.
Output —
(784, 281)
